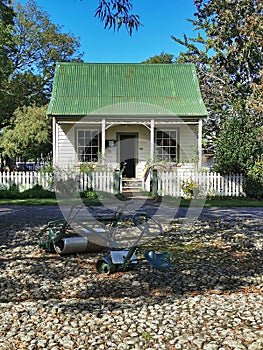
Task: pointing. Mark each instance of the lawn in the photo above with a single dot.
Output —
(232, 202)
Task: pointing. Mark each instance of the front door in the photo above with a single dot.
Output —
(128, 153)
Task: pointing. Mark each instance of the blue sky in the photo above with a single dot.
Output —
(160, 18)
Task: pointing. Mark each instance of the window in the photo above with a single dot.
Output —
(166, 145)
(88, 145)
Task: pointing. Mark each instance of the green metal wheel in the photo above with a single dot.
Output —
(106, 266)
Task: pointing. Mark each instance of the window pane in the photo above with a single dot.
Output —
(94, 134)
(166, 145)
(88, 145)
(173, 135)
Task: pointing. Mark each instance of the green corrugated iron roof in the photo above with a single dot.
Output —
(129, 89)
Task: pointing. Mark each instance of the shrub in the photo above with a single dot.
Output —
(11, 193)
(86, 168)
(36, 192)
(89, 194)
(253, 185)
(191, 189)
(5, 194)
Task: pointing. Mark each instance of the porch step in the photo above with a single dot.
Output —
(131, 187)
(131, 184)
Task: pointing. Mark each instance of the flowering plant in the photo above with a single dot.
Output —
(190, 188)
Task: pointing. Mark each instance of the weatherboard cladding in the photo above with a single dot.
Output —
(129, 89)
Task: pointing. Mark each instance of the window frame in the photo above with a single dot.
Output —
(170, 157)
(94, 156)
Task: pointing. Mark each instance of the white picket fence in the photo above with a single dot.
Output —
(212, 184)
(25, 180)
(169, 183)
(100, 181)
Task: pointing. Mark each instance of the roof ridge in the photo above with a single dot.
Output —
(125, 63)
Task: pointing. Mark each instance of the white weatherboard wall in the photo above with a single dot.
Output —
(66, 156)
(65, 151)
(188, 142)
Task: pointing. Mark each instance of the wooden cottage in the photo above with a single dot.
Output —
(126, 114)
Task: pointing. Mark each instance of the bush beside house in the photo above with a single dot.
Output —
(253, 185)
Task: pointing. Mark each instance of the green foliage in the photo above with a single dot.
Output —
(116, 13)
(6, 12)
(36, 192)
(237, 146)
(33, 45)
(228, 45)
(86, 168)
(29, 134)
(47, 168)
(227, 52)
(6, 49)
(254, 181)
(191, 189)
(14, 190)
(162, 58)
(89, 194)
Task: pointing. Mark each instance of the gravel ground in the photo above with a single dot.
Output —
(212, 298)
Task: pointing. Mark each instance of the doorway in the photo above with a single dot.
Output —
(128, 143)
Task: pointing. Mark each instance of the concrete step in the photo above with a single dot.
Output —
(131, 184)
(132, 188)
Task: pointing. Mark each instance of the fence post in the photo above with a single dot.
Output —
(116, 183)
(154, 182)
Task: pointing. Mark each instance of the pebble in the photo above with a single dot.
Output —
(211, 299)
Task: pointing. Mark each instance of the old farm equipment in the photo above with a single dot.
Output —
(122, 260)
(78, 234)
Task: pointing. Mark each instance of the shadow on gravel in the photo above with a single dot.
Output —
(209, 255)
(195, 270)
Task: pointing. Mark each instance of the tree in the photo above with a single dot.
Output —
(38, 45)
(255, 104)
(230, 50)
(228, 54)
(162, 58)
(116, 13)
(6, 48)
(28, 135)
(238, 146)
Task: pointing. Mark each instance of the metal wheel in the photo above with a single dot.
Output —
(106, 266)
